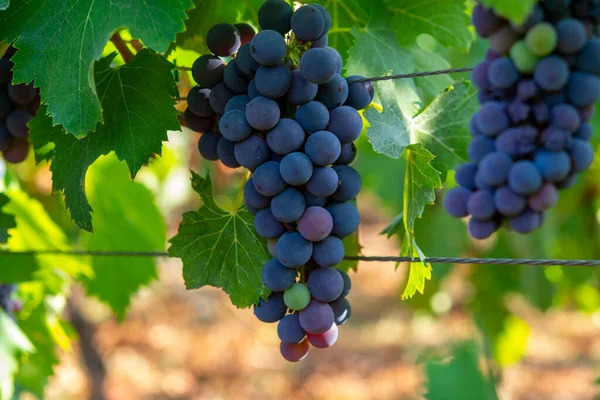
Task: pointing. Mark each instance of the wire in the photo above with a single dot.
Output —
(432, 260)
(413, 75)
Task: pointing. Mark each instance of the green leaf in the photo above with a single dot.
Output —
(126, 220)
(516, 10)
(138, 102)
(429, 87)
(395, 227)
(4, 4)
(13, 345)
(221, 249)
(446, 20)
(443, 126)
(376, 53)
(459, 379)
(59, 41)
(6, 221)
(419, 272)
(352, 248)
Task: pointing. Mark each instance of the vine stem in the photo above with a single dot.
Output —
(121, 46)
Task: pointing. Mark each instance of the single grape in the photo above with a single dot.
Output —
(16, 123)
(315, 224)
(326, 17)
(17, 151)
(325, 284)
(465, 175)
(308, 23)
(494, 168)
(323, 148)
(198, 124)
(479, 76)
(288, 206)
(479, 147)
(317, 318)
(246, 33)
(518, 111)
(289, 329)
(271, 310)
(219, 96)
(508, 203)
(481, 205)
(268, 47)
(318, 66)
(527, 89)
(313, 116)
(502, 40)
(226, 153)
(339, 63)
(565, 116)
(324, 182)
(301, 91)
(297, 296)
(455, 202)
(324, 340)
(571, 34)
(293, 250)
(582, 155)
(347, 283)
(223, 40)
(526, 222)
(346, 218)
(491, 119)
(267, 225)
(254, 199)
(252, 152)
(347, 155)
(542, 39)
(482, 229)
(294, 352)
(585, 131)
(524, 178)
(502, 73)
(341, 311)
(286, 137)
(328, 252)
(207, 145)
(262, 113)
(345, 123)
(273, 81)
(238, 102)
(522, 57)
(486, 21)
(333, 93)
(267, 179)
(245, 62)
(588, 60)
(551, 73)
(350, 183)
(208, 71)
(275, 15)
(22, 94)
(277, 277)
(296, 168)
(234, 127)
(198, 102)
(360, 95)
(543, 199)
(235, 79)
(583, 89)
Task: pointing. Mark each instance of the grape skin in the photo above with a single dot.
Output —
(318, 66)
(297, 297)
(219, 96)
(6, 138)
(582, 155)
(296, 168)
(277, 277)
(494, 169)
(479, 147)
(234, 127)
(491, 119)
(455, 202)
(21, 94)
(238, 102)
(293, 250)
(235, 79)
(198, 102)
(271, 310)
(527, 222)
(360, 95)
(208, 71)
(482, 229)
(509, 203)
(246, 32)
(288, 206)
(485, 21)
(317, 318)
(268, 47)
(223, 40)
(6, 105)
(323, 148)
(17, 151)
(583, 89)
(588, 60)
(286, 137)
(502, 73)
(347, 155)
(207, 145)
(341, 310)
(465, 175)
(253, 198)
(289, 329)
(323, 183)
(16, 123)
(565, 116)
(350, 183)
(325, 284)
(345, 123)
(315, 224)
(324, 340)
(552, 73)
(543, 199)
(524, 178)
(345, 217)
(262, 113)
(267, 225)
(308, 23)
(301, 91)
(333, 93)
(571, 35)
(328, 252)
(273, 81)
(268, 180)
(275, 15)
(481, 205)
(313, 116)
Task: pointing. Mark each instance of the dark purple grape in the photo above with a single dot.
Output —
(554, 166)
(347, 155)
(583, 89)
(571, 35)
(6, 105)
(198, 124)
(494, 168)
(276, 15)
(509, 203)
(325, 284)
(235, 79)
(234, 126)
(582, 155)
(223, 40)
(313, 116)
(317, 318)
(325, 340)
(482, 229)
(333, 93)
(267, 225)
(481, 205)
(345, 123)
(324, 182)
(486, 21)
(465, 175)
(565, 116)
(252, 152)
(524, 178)
(360, 95)
(346, 218)
(262, 113)
(289, 329)
(588, 60)
(491, 119)
(502, 73)
(555, 139)
(341, 311)
(479, 147)
(294, 352)
(226, 153)
(199, 102)
(316, 224)
(293, 250)
(308, 23)
(254, 199)
(286, 137)
(543, 199)
(585, 131)
(329, 252)
(551, 73)
(271, 310)
(301, 91)
(246, 32)
(456, 201)
(208, 71)
(526, 222)
(288, 206)
(277, 277)
(207, 145)
(6, 139)
(268, 47)
(323, 148)
(16, 123)
(22, 94)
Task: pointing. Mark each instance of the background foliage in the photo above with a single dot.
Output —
(100, 136)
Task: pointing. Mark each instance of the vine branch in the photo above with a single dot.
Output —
(121, 46)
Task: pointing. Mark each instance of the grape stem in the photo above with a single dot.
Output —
(121, 46)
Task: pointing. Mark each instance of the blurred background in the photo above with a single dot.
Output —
(534, 332)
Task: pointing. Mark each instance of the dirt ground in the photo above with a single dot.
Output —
(195, 345)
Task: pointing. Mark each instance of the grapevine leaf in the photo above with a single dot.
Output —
(443, 126)
(430, 86)
(352, 248)
(419, 271)
(376, 52)
(461, 378)
(13, 344)
(126, 220)
(395, 227)
(221, 249)
(516, 10)
(61, 39)
(4, 4)
(138, 100)
(6, 221)
(446, 20)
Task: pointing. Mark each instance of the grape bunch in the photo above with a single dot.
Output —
(538, 87)
(281, 108)
(18, 105)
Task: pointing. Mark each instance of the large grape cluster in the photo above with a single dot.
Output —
(538, 86)
(282, 109)
(18, 105)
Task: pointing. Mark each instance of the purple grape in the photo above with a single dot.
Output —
(277, 277)
(329, 252)
(465, 175)
(494, 168)
(526, 222)
(346, 218)
(271, 310)
(582, 155)
(486, 21)
(316, 224)
(341, 311)
(554, 166)
(502, 73)
(325, 284)
(481, 205)
(267, 225)
(479, 147)
(324, 340)
(482, 229)
(317, 318)
(509, 203)
(524, 178)
(543, 199)
(289, 329)
(456, 201)
(491, 119)
(294, 352)
(288, 206)
(565, 116)
(551, 73)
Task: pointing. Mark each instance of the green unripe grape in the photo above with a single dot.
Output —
(522, 57)
(297, 297)
(542, 39)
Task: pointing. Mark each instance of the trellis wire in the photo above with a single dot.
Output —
(431, 260)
